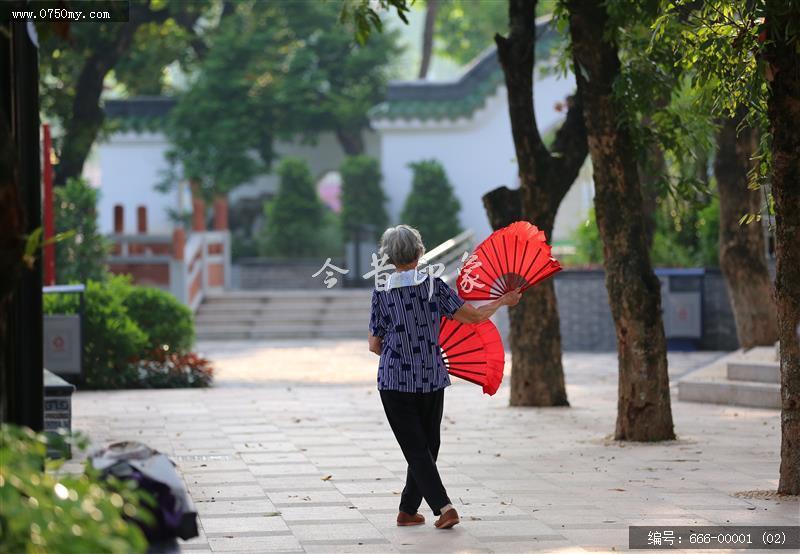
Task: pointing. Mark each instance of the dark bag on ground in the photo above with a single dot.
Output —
(174, 514)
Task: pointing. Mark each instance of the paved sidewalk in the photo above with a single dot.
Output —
(291, 452)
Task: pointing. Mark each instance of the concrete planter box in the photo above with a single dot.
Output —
(57, 407)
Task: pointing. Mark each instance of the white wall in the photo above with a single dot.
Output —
(477, 154)
(127, 168)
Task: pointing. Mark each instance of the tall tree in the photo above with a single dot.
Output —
(677, 130)
(362, 196)
(280, 70)
(537, 377)
(431, 9)
(749, 52)
(465, 28)
(293, 216)
(742, 249)
(783, 109)
(431, 205)
(75, 70)
(643, 412)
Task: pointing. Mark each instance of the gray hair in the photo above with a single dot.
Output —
(402, 244)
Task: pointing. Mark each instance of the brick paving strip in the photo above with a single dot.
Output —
(290, 452)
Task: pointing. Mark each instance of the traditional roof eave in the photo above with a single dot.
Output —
(421, 100)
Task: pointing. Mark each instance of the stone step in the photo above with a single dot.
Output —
(283, 319)
(293, 324)
(762, 372)
(736, 393)
(276, 306)
(255, 310)
(280, 333)
(278, 314)
(248, 295)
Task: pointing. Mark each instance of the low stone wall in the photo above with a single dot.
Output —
(276, 273)
(587, 325)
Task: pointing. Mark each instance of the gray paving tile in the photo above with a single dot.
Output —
(238, 525)
(558, 483)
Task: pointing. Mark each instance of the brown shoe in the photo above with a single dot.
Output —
(404, 519)
(447, 519)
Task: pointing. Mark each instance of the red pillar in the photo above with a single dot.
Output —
(220, 213)
(141, 220)
(119, 219)
(198, 209)
(178, 243)
(49, 253)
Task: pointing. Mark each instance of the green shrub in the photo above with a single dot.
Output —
(112, 339)
(362, 196)
(44, 512)
(431, 207)
(293, 217)
(162, 369)
(165, 321)
(82, 256)
(126, 329)
(588, 245)
(686, 235)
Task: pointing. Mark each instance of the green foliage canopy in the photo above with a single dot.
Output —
(363, 199)
(686, 235)
(273, 70)
(431, 206)
(293, 217)
(80, 257)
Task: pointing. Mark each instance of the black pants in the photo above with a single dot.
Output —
(415, 418)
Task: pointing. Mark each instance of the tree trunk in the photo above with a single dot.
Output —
(537, 376)
(431, 9)
(351, 141)
(784, 117)
(634, 292)
(742, 250)
(87, 118)
(12, 232)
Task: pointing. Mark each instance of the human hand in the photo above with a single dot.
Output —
(511, 298)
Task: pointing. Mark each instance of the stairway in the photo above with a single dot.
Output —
(284, 314)
(743, 381)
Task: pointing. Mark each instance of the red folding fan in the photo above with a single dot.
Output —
(511, 257)
(473, 352)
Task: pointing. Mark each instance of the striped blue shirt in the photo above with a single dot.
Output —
(408, 320)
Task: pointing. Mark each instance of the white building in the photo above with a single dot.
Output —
(463, 123)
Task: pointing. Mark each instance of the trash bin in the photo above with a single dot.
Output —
(682, 307)
(63, 337)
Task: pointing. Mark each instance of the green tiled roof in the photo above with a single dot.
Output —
(421, 108)
(426, 100)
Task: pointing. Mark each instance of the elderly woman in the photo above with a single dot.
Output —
(404, 331)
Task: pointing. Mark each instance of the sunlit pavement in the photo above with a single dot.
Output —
(290, 452)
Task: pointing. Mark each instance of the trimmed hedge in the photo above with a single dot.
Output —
(134, 336)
